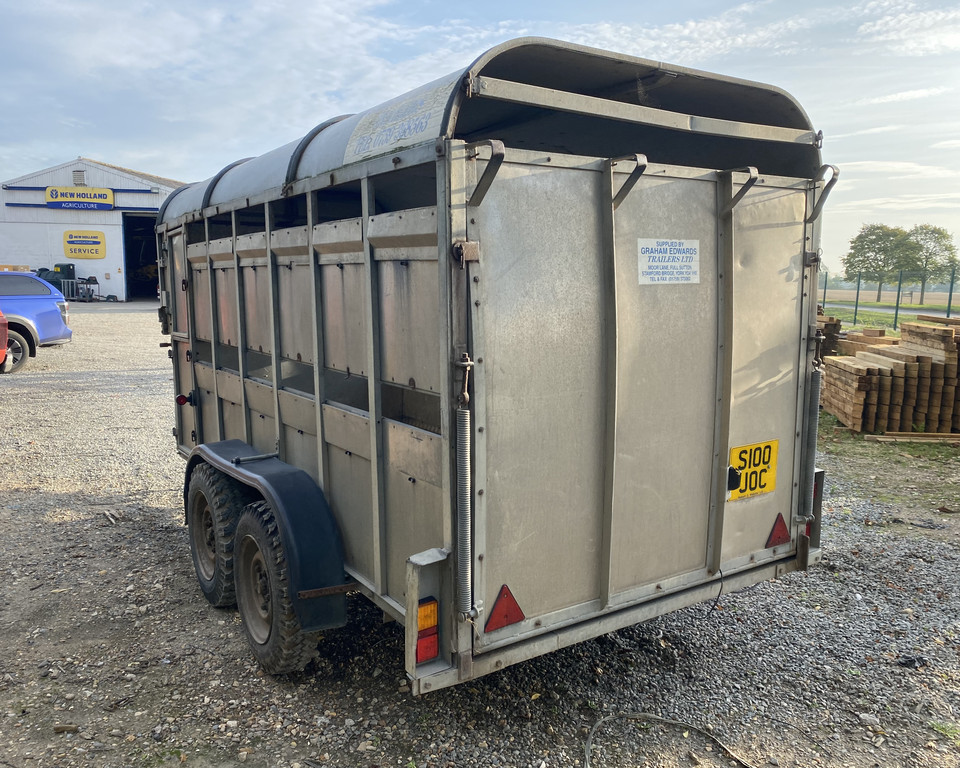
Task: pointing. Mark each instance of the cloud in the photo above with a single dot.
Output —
(920, 33)
(898, 170)
(897, 203)
(920, 93)
(951, 144)
(867, 132)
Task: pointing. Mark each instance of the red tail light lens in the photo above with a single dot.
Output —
(428, 631)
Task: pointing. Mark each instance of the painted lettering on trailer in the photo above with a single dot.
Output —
(757, 465)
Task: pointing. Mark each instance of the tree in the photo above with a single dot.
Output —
(878, 252)
(935, 253)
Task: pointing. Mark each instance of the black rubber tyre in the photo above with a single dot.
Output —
(18, 352)
(214, 504)
(263, 595)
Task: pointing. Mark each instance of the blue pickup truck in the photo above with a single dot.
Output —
(37, 316)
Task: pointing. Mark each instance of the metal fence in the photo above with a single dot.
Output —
(883, 304)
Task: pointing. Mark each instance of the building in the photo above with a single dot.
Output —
(96, 216)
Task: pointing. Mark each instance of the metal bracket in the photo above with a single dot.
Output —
(463, 399)
(338, 589)
(821, 175)
(811, 258)
(632, 179)
(497, 153)
(238, 460)
(466, 250)
(754, 176)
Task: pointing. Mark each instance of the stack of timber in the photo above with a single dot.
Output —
(939, 343)
(830, 326)
(855, 342)
(882, 385)
(905, 370)
(850, 391)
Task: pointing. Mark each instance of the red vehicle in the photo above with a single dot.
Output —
(3, 340)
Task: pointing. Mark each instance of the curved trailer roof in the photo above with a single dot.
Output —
(547, 95)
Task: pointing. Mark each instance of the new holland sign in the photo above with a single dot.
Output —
(79, 198)
(84, 245)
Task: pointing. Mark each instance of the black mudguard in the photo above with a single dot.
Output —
(310, 535)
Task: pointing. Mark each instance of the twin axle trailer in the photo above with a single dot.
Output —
(525, 356)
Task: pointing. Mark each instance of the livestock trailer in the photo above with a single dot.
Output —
(525, 355)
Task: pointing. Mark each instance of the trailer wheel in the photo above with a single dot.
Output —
(263, 595)
(18, 352)
(214, 503)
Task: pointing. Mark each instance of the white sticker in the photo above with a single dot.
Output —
(662, 261)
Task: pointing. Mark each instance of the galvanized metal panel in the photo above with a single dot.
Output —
(298, 412)
(412, 504)
(289, 242)
(347, 429)
(179, 273)
(234, 424)
(259, 397)
(221, 249)
(225, 291)
(263, 431)
(404, 229)
(409, 323)
(339, 237)
(209, 413)
(767, 285)
(229, 386)
(540, 302)
(299, 449)
(186, 414)
(257, 305)
(348, 492)
(295, 291)
(202, 318)
(344, 318)
(667, 354)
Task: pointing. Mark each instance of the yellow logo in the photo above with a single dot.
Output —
(84, 245)
(79, 198)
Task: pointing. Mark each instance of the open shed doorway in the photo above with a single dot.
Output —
(140, 255)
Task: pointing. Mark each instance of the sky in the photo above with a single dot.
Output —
(182, 88)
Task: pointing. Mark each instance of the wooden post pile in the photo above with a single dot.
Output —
(939, 343)
(905, 376)
(850, 391)
(861, 342)
(831, 331)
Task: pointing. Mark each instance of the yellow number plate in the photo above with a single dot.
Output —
(757, 464)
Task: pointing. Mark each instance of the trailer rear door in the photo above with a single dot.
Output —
(608, 410)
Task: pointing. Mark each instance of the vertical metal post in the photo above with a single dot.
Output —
(375, 403)
(856, 301)
(724, 376)
(463, 326)
(241, 304)
(214, 333)
(319, 394)
(953, 279)
(823, 302)
(610, 364)
(896, 311)
(275, 320)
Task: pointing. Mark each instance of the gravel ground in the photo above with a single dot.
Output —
(113, 657)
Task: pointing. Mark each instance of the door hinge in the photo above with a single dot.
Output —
(466, 250)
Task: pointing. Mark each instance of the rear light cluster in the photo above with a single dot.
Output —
(428, 630)
(64, 311)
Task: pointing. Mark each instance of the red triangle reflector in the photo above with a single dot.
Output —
(505, 611)
(780, 533)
